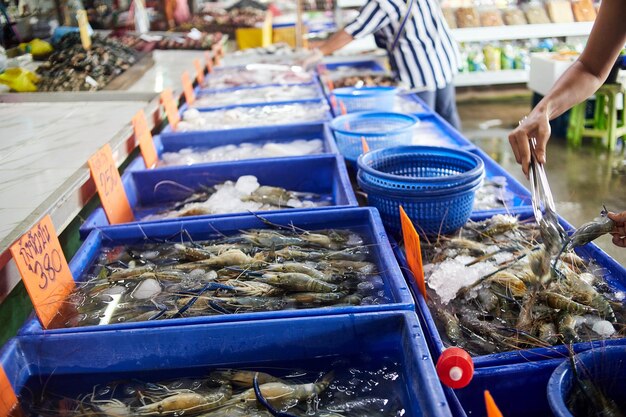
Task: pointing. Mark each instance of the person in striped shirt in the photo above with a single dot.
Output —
(421, 51)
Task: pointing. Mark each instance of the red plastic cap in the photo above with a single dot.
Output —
(455, 368)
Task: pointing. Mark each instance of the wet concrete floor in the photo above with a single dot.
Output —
(582, 180)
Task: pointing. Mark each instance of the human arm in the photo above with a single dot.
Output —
(371, 18)
(619, 231)
(581, 80)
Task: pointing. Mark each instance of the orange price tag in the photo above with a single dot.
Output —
(330, 84)
(190, 96)
(209, 62)
(199, 70)
(171, 110)
(413, 251)
(364, 145)
(44, 270)
(144, 137)
(490, 404)
(109, 186)
(8, 399)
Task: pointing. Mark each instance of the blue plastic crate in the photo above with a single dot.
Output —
(167, 131)
(75, 362)
(614, 274)
(262, 135)
(435, 131)
(365, 98)
(199, 92)
(519, 390)
(324, 174)
(365, 220)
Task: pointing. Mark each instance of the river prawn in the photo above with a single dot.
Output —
(295, 281)
(525, 302)
(186, 402)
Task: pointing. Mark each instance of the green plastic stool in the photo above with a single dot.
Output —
(607, 124)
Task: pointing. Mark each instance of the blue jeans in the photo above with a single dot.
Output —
(443, 102)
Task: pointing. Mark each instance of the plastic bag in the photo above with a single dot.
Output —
(560, 11)
(20, 80)
(584, 11)
(37, 48)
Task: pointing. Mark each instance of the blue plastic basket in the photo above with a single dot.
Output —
(605, 365)
(73, 363)
(364, 220)
(614, 274)
(413, 170)
(435, 186)
(366, 98)
(380, 130)
(149, 191)
(431, 214)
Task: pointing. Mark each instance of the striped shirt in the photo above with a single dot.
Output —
(425, 57)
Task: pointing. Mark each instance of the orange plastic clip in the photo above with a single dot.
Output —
(199, 71)
(330, 84)
(492, 408)
(413, 251)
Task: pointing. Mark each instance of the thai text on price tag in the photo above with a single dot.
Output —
(190, 96)
(8, 399)
(413, 250)
(171, 110)
(83, 28)
(44, 270)
(109, 185)
(144, 137)
(199, 71)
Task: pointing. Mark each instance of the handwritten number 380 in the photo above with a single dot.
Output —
(48, 268)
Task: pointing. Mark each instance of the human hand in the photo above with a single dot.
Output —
(619, 230)
(535, 125)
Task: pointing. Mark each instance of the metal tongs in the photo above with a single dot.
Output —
(552, 232)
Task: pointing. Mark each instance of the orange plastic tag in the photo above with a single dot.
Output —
(366, 147)
(190, 96)
(199, 70)
(171, 109)
(343, 108)
(331, 85)
(492, 408)
(413, 251)
(8, 399)
(209, 62)
(44, 270)
(144, 137)
(109, 186)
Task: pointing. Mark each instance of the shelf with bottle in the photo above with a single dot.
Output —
(504, 62)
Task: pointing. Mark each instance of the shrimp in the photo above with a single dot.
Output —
(279, 393)
(241, 377)
(187, 402)
(294, 281)
(561, 302)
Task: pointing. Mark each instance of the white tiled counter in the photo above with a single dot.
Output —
(46, 139)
